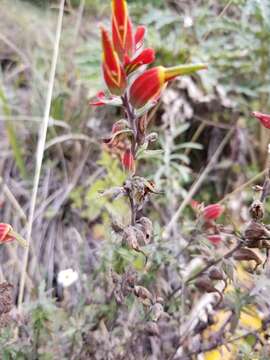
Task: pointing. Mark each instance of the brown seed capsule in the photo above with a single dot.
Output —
(130, 238)
(157, 311)
(152, 328)
(215, 273)
(247, 255)
(205, 284)
(147, 228)
(141, 238)
(256, 231)
(256, 210)
(143, 294)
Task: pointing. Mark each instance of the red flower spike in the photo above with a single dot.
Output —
(212, 212)
(147, 56)
(214, 239)
(7, 234)
(128, 161)
(113, 71)
(148, 85)
(264, 118)
(139, 37)
(122, 29)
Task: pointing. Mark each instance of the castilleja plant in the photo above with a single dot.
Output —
(130, 86)
(136, 89)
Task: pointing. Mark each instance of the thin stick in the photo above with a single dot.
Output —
(241, 187)
(197, 184)
(40, 150)
(205, 268)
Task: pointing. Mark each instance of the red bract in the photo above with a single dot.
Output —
(122, 33)
(214, 239)
(113, 71)
(100, 97)
(149, 84)
(5, 233)
(147, 56)
(128, 161)
(139, 37)
(264, 118)
(212, 212)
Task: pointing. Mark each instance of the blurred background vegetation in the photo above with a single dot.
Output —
(72, 223)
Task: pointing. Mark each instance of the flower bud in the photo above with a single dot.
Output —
(128, 161)
(212, 212)
(263, 118)
(148, 86)
(214, 239)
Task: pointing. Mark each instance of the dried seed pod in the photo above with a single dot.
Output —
(256, 210)
(115, 277)
(143, 294)
(118, 295)
(160, 300)
(215, 274)
(247, 255)
(129, 238)
(131, 278)
(117, 226)
(204, 284)
(6, 299)
(147, 228)
(157, 311)
(141, 238)
(256, 231)
(152, 328)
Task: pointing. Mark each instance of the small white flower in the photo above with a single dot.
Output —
(67, 277)
(188, 21)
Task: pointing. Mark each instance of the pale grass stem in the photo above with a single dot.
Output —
(40, 151)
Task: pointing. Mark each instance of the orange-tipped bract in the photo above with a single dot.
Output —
(113, 71)
(122, 33)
